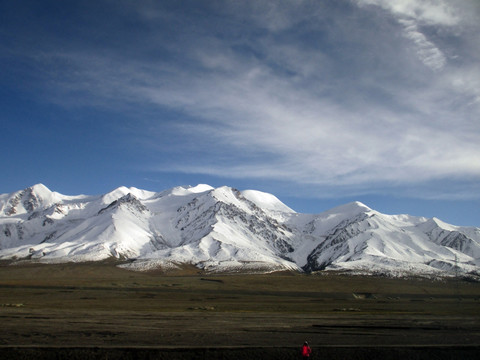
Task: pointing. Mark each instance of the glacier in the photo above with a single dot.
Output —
(226, 230)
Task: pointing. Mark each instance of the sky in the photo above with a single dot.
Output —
(317, 102)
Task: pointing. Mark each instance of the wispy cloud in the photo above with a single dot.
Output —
(431, 12)
(288, 94)
(428, 53)
(412, 14)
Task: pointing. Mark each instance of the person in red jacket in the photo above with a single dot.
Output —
(306, 350)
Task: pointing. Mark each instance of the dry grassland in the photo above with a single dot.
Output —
(100, 305)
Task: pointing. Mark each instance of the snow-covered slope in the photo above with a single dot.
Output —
(224, 229)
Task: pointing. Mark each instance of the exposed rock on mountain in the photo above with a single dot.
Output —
(225, 229)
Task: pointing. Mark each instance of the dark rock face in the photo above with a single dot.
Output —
(212, 226)
(129, 200)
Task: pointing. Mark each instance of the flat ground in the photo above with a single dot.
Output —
(101, 305)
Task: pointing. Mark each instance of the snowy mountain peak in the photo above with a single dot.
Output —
(200, 188)
(223, 229)
(227, 195)
(115, 194)
(129, 199)
(187, 190)
(266, 201)
(40, 190)
(28, 200)
(435, 225)
(442, 224)
(352, 208)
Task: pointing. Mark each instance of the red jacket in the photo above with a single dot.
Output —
(306, 351)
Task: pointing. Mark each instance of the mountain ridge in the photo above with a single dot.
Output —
(224, 229)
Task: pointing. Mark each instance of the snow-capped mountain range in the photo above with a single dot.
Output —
(223, 229)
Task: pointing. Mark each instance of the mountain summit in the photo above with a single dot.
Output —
(223, 229)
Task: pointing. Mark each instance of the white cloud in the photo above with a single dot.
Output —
(413, 13)
(428, 53)
(430, 12)
(315, 141)
(295, 110)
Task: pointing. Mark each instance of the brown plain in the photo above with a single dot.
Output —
(101, 305)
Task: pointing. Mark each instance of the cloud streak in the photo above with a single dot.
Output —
(412, 15)
(428, 53)
(285, 94)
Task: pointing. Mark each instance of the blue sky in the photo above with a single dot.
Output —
(317, 102)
